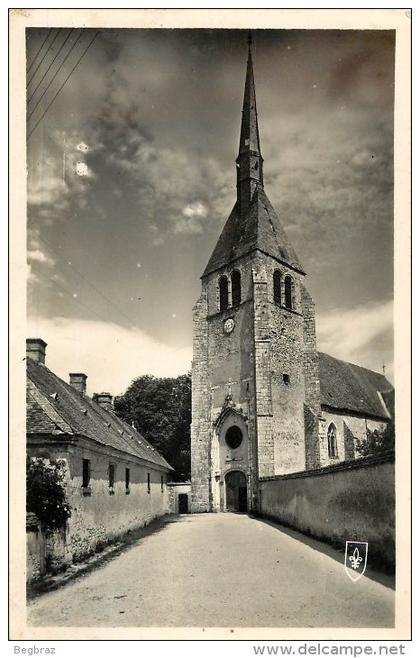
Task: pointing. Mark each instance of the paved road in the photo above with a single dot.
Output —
(224, 570)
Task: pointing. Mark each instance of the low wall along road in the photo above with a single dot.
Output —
(353, 500)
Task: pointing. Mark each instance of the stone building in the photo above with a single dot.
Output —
(265, 402)
(115, 480)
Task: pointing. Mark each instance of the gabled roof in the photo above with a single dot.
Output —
(56, 408)
(347, 387)
(258, 227)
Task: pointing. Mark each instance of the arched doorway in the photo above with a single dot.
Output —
(236, 492)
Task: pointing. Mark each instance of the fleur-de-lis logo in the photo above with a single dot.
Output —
(355, 559)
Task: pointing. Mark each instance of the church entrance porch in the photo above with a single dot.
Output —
(236, 492)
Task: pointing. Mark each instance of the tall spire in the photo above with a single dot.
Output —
(249, 161)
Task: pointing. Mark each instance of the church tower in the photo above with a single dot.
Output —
(255, 379)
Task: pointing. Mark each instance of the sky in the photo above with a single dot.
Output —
(131, 176)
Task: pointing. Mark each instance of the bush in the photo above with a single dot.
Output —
(45, 493)
(377, 441)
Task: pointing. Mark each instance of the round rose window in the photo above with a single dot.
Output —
(233, 437)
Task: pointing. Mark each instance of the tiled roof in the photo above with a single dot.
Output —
(348, 387)
(54, 407)
(257, 228)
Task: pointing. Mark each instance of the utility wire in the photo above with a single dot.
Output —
(46, 72)
(54, 76)
(44, 56)
(62, 289)
(119, 310)
(74, 67)
(39, 50)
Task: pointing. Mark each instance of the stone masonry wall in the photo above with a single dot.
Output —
(279, 374)
(349, 428)
(35, 554)
(263, 371)
(99, 518)
(312, 382)
(222, 366)
(200, 422)
(350, 501)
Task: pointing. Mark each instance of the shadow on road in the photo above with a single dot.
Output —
(336, 554)
(100, 560)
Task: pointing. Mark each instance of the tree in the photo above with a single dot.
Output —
(161, 409)
(45, 493)
(377, 441)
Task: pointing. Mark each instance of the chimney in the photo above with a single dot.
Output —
(104, 400)
(78, 381)
(35, 349)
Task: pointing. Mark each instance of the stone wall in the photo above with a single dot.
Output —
(222, 366)
(349, 501)
(99, 517)
(349, 429)
(279, 375)
(260, 366)
(174, 489)
(200, 408)
(35, 553)
(312, 410)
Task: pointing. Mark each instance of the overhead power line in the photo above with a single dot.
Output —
(48, 69)
(65, 81)
(54, 76)
(42, 59)
(62, 289)
(39, 50)
(99, 292)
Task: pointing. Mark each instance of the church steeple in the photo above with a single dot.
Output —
(249, 162)
(253, 223)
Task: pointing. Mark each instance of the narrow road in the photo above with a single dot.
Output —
(224, 570)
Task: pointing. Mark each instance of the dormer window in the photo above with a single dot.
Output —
(223, 293)
(236, 287)
(288, 292)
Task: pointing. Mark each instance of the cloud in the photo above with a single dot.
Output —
(196, 209)
(46, 190)
(58, 179)
(191, 222)
(31, 277)
(111, 356)
(363, 335)
(38, 256)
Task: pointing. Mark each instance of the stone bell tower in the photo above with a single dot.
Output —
(255, 381)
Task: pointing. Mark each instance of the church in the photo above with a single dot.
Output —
(265, 402)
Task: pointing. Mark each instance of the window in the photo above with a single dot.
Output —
(148, 483)
(111, 478)
(233, 437)
(127, 480)
(223, 293)
(288, 302)
(332, 441)
(85, 473)
(236, 287)
(277, 286)
(161, 483)
(286, 379)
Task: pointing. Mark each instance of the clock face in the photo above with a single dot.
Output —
(229, 325)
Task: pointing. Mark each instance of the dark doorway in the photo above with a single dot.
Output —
(236, 492)
(242, 499)
(183, 503)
